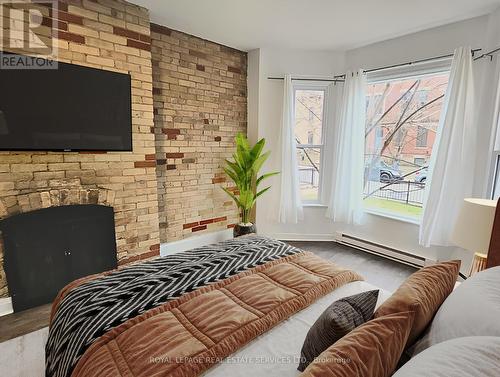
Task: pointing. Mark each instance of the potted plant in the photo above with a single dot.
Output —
(243, 171)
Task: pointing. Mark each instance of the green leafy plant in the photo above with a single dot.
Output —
(243, 171)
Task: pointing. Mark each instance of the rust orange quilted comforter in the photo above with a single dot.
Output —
(187, 335)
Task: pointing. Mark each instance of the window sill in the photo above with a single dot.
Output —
(314, 205)
(391, 216)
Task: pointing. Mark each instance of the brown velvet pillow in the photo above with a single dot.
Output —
(371, 350)
(423, 292)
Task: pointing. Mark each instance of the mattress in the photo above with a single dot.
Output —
(276, 353)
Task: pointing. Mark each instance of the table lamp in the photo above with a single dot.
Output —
(473, 229)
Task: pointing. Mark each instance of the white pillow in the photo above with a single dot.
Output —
(476, 356)
(472, 309)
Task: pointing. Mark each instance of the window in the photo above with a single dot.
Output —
(310, 137)
(495, 194)
(309, 105)
(421, 137)
(398, 143)
(419, 161)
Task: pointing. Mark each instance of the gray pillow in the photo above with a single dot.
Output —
(475, 356)
(472, 309)
(336, 321)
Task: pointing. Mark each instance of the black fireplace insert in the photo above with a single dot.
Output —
(48, 248)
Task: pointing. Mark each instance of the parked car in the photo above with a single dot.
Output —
(421, 175)
(384, 173)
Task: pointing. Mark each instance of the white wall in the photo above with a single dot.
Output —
(428, 43)
(267, 111)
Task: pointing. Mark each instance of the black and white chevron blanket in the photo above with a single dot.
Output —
(93, 308)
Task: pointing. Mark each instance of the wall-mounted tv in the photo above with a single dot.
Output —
(71, 108)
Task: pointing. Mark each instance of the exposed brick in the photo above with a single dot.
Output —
(144, 164)
(218, 180)
(198, 228)
(160, 29)
(234, 69)
(139, 45)
(198, 54)
(69, 36)
(68, 17)
(218, 219)
(190, 225)
(161, 162)
(145, 38)
(125, 32)
(124, 180)
(231, 225)
(155, 247)
(197, 106)
(49, 22)
(174, 155)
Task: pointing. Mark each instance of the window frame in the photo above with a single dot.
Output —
(399, 74)
(314, 86)
(494, 174)
(418, 141)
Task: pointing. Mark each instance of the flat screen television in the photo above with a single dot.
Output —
(71, 108)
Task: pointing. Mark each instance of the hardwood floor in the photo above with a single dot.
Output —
(376, 270)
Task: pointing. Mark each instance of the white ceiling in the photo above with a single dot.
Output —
(308, 24)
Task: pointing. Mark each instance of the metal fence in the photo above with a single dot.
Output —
(308, 175)
(402, 191)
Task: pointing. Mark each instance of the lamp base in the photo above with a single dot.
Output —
(478, 263)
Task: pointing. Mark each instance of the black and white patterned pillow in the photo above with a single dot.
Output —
(337, 320)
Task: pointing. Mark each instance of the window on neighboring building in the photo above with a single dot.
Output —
(422, 134)
(398, 143)
(419, 161)
(309, 114)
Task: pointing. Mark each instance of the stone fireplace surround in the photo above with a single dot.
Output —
(71, 193)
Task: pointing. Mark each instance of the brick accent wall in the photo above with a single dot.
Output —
(112, 35)
(200, 92)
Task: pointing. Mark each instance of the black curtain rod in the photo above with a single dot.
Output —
(488, 54)
(409, 63)
(306, 79)
(340, 78)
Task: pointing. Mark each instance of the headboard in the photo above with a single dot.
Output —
(494, 250)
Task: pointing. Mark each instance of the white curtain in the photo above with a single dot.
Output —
(453, 160)
(346, 199)
(290, 204)
(331, 111)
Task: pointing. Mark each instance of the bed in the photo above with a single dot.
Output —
(252, 299)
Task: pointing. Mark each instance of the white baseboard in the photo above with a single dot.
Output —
(302, 237)
(5, 306)
(196, 241)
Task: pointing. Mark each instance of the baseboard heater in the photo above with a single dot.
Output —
(382, 250)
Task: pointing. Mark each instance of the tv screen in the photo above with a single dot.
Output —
(70, 108)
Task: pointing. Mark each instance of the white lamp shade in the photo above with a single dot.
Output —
(474, 224)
